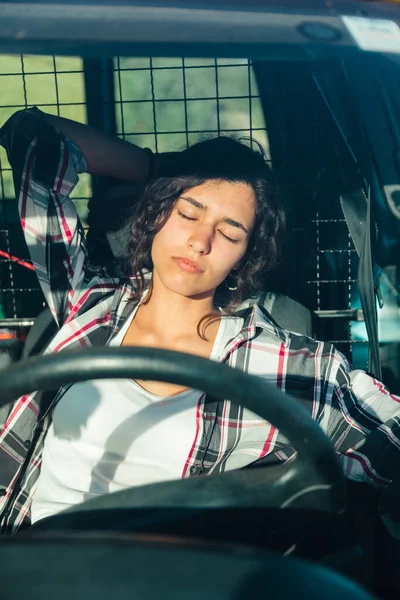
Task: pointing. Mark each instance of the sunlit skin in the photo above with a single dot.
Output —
(210, 225)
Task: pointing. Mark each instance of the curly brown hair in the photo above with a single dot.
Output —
(221, 158)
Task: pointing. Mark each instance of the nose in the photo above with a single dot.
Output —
(201, 239)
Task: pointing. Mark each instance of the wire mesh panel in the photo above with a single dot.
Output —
(320, 268)
(169, 104)
(323, 259)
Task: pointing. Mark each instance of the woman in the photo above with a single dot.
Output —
(201, 241)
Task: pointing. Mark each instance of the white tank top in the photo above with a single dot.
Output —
(111, 434)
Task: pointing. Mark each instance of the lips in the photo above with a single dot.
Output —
(187, 265)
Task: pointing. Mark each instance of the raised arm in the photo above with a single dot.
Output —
(45, 165)
(105, 154)
(46, 158)
(110, 156)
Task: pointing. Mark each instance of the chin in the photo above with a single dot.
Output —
(189, 289)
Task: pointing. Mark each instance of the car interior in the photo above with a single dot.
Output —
(315, 84)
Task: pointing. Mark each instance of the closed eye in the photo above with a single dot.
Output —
(181, 214)
(229, 238)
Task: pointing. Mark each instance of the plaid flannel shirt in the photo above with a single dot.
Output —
(356, 412)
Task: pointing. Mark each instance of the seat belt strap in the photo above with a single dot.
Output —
(356, 208)
(40, 335)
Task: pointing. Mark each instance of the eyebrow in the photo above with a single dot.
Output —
(201, 206)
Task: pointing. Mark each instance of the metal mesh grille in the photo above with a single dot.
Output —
(168, 104)
(330, 279)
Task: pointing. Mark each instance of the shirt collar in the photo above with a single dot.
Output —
(257, 318)
(125, 301)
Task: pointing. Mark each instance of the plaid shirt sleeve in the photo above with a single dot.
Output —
(363, 422)
(45, 166)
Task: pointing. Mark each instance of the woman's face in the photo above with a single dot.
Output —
(204, 238)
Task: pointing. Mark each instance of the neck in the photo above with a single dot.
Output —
(172, 315)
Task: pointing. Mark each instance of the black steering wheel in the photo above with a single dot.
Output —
(136, 562)
(312, 480)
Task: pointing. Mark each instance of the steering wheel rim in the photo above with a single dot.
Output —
(316, 463)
